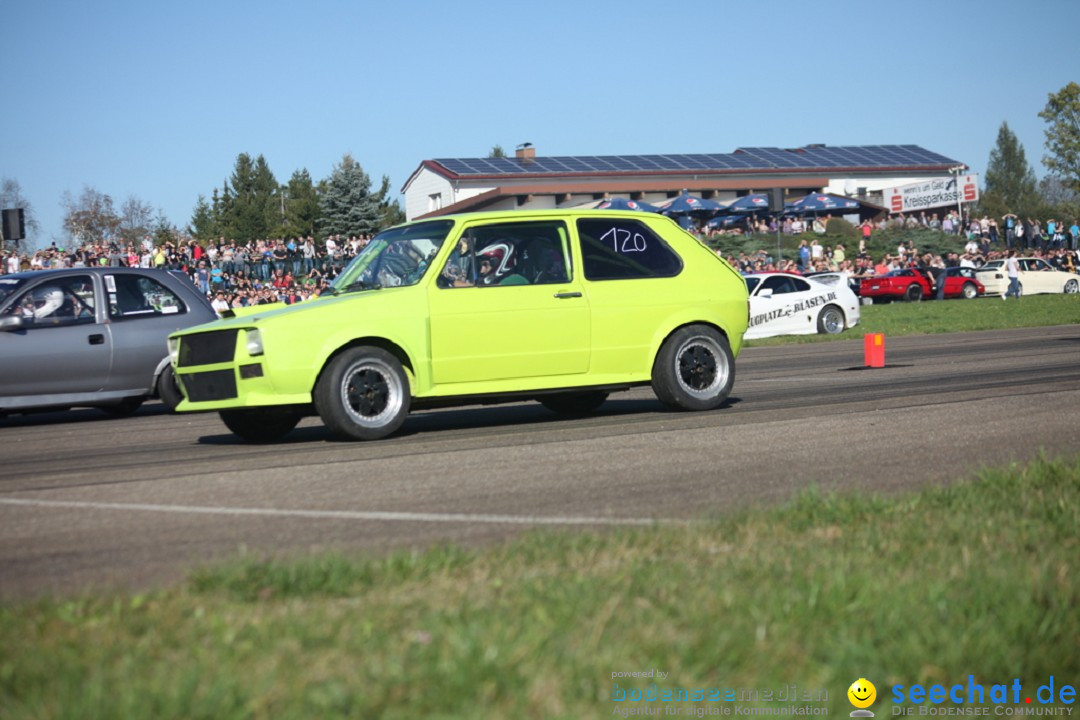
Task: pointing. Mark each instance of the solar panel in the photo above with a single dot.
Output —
(748, 158)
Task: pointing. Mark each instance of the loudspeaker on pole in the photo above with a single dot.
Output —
(776, 200)
(14, 224)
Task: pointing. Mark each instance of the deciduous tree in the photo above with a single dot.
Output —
(91, 218)
(1062, 113)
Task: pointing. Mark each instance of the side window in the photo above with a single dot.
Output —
(621, 249)
(63, 301)
(528, 253)
(799, 285)
(779, 284)
(134, 296)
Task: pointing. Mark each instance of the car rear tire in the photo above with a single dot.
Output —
(694, 369)
(913, 293)
(261, 425)
(579, 403)
(831, 321)
(363, 394)
(168, 390)
(1072, 287)
(969, 291)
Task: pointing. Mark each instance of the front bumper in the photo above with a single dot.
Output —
(215, 371)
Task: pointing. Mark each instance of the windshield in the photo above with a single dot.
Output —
(9, 286)
(394, 258)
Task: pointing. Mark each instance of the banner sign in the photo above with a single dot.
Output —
(939, 192)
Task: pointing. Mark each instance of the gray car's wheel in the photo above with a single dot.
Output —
(969, 291)
(571, 403)
(694, 369)
(168, 390)
(1072, 287)
(363, 394)
(831, 320)
(913, 293)
(261, 425)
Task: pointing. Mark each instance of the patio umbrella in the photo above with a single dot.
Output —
(816, 203)
(758, 202)
(618, 203)
(726, 221)
(685, 204)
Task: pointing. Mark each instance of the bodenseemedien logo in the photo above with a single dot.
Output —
(862, 695)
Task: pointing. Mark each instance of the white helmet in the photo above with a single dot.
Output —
(47, 300)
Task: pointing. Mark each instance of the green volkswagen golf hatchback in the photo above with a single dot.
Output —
(559, 306)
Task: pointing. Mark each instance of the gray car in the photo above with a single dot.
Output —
(92, 337)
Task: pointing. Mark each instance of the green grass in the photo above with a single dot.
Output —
(932, 317)
(979, 577)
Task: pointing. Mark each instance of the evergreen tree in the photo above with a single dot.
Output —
(348, 205)
(301, 203)
(1010, 181)
(203, 221)
(254, 210)
(390, 212)
(164, 231)
(497, 152)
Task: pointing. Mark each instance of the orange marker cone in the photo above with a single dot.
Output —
(874, 349)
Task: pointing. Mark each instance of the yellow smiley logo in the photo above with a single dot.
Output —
(862, 693)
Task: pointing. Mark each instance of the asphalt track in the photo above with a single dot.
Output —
(89, 501)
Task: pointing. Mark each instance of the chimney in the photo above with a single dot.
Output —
(525, 152)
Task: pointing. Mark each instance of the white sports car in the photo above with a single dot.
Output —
(1036, 276)
(785, 304)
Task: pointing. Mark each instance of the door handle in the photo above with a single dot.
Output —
(97, 339)
(567, 295)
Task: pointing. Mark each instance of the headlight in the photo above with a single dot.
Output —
(254, 342)
(174, 350)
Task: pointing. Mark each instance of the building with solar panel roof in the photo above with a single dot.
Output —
(531, 182)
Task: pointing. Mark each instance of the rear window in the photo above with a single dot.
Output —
(622, 249)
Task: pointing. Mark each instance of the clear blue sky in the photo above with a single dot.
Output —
(156, 99)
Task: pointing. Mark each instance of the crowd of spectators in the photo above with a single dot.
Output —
(292, 270)
(231, 274)
(1014, 231)
(1053, 241)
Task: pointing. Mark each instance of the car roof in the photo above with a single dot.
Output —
(770, 273)
(548, 213)
(95, 269)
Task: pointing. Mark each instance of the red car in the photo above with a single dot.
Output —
(913, 284)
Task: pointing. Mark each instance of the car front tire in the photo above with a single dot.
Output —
(831, 321)
(1072, 287)
(694, 369)
(261, 425)
(363, 394)
(913, 293)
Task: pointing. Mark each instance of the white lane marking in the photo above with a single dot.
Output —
(342, 514)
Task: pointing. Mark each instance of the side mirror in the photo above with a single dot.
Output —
(765, 293)
(8, 323)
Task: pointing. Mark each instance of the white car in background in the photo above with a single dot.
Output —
(786, 304)
(1036, 276)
